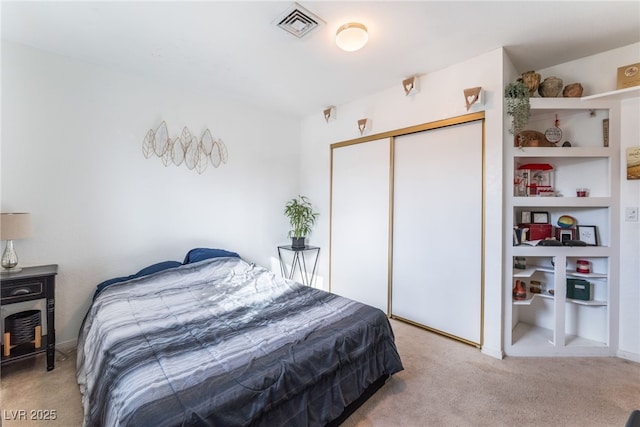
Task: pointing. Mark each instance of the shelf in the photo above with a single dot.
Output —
(591, 303)
(577, 341)
(562, 202)
(549, 105)
(528, 301)
(573, 251)
(618, 95)
(25, 351)
(561, 151)
(539, 103)
(540, 325)
(586, 275)
(528, 272)
(529, 335)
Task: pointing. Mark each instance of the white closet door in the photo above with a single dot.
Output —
(437, 229)
(360, 222)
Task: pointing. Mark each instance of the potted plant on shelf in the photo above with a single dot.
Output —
(518, 107)
(302, 218)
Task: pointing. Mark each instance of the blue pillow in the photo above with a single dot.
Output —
(200, 254)
(144, 272)
(102, 286)
(157, 267)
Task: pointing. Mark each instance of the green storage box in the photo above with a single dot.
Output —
(578, 289)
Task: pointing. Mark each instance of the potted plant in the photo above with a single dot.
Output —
(518, 107)
(302, 218)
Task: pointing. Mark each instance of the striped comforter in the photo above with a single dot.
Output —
(226, 343)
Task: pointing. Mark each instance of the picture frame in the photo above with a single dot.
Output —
(540, 217)
(633, 163)
(588, 234)
(525, 217)
(565, 234)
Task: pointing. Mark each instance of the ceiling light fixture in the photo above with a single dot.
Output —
(352, 36)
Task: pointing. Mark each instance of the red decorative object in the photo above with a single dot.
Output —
(540, 231)
(584, 266)
(539, 177)
(519, 291)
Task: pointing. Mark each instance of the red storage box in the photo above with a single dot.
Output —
(539, 231)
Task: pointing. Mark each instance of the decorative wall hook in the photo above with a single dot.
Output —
(363, 125)
(473, 96)
(410, 85)
(330, 113)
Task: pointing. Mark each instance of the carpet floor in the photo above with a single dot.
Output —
(445, 383)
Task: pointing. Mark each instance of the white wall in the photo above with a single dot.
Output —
(629, 340)
(598, 74)
(440, 97)
(71, 155)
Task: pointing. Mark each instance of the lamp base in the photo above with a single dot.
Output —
(10, 270)
(9, 262)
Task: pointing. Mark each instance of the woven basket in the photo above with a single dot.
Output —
(22, 326)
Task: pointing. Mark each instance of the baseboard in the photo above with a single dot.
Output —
(634, 357)
(67, 345)
(493, 352)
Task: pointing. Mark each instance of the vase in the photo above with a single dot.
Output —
(573, 90)
(531, 80)
(297, 242)
(519, 291)
(550, 87)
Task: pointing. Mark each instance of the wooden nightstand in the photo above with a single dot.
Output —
(32, 283)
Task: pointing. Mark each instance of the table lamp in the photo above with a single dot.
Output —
(13, 226)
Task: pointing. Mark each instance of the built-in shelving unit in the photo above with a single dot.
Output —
(549, 323)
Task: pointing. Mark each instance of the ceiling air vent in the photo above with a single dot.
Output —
(298, 21)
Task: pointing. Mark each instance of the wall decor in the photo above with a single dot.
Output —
(588, 234)
(565, 234)
(628, 76)
(329, 113)
(364, 125)
(473, 96)
(410, 85)
(531, 79)
(572, 90)
(195, 153)
(554, 134)
(605, 132)
(550, 87)
(518, 106)
(540, 217)
(633, 163)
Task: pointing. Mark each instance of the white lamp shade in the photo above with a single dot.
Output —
(352, 36)
(15, 226)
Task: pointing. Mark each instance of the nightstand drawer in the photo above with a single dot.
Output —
(32, 289)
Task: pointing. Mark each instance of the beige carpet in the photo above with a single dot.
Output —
(444, 383)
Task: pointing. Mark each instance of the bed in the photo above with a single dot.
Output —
(219, 341)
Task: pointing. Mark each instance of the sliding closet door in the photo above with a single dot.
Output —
(360, 222)
(437, 229)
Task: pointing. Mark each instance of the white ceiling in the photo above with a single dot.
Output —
(233, 49)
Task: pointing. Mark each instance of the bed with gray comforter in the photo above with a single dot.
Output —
(223, 342)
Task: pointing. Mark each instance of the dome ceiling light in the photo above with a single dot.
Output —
(352, 36)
